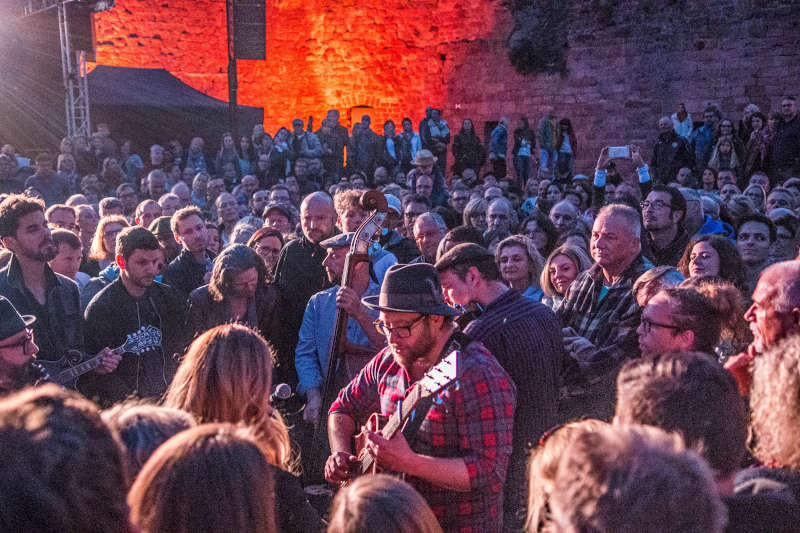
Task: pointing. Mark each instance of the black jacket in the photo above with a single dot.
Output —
(58, 325)
(205, 313)
(185, 274)
(670, 154)
(299, 275)
(110, 317)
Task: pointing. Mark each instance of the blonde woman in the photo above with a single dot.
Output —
(226, 376)
(520, 265)
(561, 268)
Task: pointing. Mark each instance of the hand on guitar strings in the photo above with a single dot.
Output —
(391, 454)
(109, 362)
(338, 466)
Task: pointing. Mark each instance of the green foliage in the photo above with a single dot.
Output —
(538, 40)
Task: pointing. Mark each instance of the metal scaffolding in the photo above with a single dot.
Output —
(73, 71)
(73, 62)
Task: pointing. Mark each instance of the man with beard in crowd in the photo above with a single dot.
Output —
(17, 349)
(299, 274)
(131, 302)
(32, 286)
(192, 267)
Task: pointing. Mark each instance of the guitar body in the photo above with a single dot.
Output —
(376, 422)
(55, 368)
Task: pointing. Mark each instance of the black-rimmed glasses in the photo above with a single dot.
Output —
(401, 331)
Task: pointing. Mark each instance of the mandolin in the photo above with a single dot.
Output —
(68, 369)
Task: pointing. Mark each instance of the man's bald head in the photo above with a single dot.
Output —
(317, 216)
(775, 313)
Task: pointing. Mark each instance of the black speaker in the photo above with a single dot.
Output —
(249, 29)
(80, 23)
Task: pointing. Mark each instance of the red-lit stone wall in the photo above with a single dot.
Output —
(626, 66)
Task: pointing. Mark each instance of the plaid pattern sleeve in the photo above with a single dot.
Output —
(362, 396)
(485, 399)
(472, 419)
(609, 323)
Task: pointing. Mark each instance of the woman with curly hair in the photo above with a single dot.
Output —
(239, 291)
(730, 306)
(715, 256)
(520, 265)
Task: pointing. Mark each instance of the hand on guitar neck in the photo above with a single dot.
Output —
(109, 360)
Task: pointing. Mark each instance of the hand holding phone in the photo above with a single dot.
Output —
(619, 152)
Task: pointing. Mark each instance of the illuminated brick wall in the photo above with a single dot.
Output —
(624, 69)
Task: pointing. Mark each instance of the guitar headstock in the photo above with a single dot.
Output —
(147, 338)
(442, 374)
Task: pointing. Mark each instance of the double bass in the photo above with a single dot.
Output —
(374, 202)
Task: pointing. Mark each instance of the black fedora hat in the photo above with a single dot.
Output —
(11, 322)
(411, 289)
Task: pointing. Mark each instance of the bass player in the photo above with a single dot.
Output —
(458, 455)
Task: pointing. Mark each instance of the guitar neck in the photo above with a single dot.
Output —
(394, 423)
(82, 368)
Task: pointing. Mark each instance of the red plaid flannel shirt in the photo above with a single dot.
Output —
(471, 419)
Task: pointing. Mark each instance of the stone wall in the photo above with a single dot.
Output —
(627, 62)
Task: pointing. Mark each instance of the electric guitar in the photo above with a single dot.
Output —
(68, 369)
(410, 412)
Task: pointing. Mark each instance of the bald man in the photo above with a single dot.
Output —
(299, 275)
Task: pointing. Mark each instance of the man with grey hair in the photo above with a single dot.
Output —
(634, 479)
(670, 153)
(564, 216)
(156, 184)
(774, 315)
(600, 313)
(429, 230)
(694, 218)
(500, 215)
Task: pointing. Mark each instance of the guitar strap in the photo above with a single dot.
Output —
(457, 341)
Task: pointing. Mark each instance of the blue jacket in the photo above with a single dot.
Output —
(712, 226)
(498, 141)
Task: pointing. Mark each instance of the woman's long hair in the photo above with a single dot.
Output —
(535, 259)
(226, 376)
(231, 262)
(98, 251)
(731, 268)
(213, 477)
(565, 126)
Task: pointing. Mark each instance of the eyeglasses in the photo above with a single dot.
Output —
(401, 331)
(266, 250)
(26, 343)
(657, 204)
(648, 324)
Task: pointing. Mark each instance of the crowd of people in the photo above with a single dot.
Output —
(534, 350)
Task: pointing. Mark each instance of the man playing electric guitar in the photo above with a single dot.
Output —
(457, 457)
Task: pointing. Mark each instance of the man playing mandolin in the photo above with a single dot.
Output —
(457, 456)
